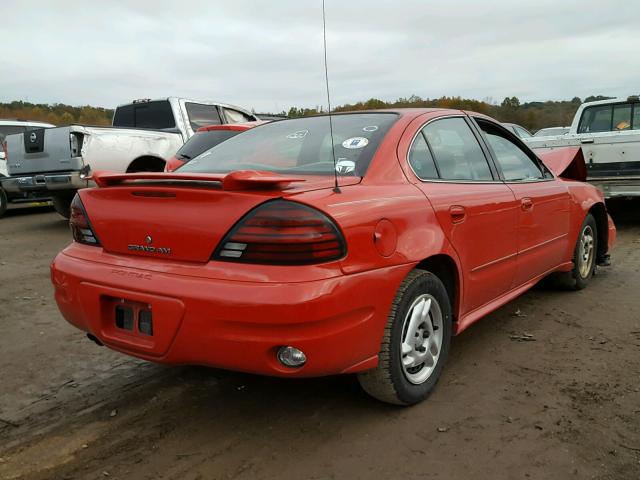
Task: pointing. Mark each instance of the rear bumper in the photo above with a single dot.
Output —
(47, 182)
(337, 322)
(617, 187)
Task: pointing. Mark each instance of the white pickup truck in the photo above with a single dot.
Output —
(609, 133)
(144, 134)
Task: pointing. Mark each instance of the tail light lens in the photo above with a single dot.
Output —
(281, 232)
(80, 225)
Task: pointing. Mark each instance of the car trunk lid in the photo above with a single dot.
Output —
(180, 216)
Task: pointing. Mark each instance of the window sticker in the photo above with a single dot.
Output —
(298, 134)
(344, 165)
(355, 142)
(370, 128)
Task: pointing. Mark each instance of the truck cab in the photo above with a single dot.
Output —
(608, 131)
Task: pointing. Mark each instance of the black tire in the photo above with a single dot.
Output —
(4, 202)
(62, 204)
(389, 381)
(580, 276)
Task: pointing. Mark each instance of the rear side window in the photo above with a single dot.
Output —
(456, 150)
(203, 141)
(621, 117)
(234, 116)
(157, 115)
(202, 115)
(421, 160)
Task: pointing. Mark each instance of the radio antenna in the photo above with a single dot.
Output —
(336, 188)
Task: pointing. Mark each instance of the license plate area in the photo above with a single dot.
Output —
(133, 317)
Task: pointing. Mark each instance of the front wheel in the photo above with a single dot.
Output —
(584, 257)
(415, 344)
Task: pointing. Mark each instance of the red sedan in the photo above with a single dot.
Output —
(251, 258)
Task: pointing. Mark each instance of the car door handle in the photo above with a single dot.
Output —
(586, 140)
(457, 213)
(526, 204)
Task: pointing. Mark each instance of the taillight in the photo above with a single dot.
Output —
(281, 232)
(80, 225)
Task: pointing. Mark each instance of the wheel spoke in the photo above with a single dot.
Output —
(408, 361)
(406, 348)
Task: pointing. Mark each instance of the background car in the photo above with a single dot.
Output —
(520, 131)
(545, 132)
(301, 250)
(10, 127)
(204, 139)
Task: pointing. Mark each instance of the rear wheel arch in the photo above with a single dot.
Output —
(146, 164)
(445, 268)
(599, 213)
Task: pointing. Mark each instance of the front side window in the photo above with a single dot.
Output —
(456, 150)
(202, 115)
(515, 163)
(595, 119)
(301, 146)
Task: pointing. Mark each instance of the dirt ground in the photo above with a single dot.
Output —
(566, 405)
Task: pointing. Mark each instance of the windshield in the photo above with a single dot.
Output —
(301, 145)
(551, 131)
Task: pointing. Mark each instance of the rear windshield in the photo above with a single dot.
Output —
(10, 130)
(157, 115)
(301, 145)
(203, 141)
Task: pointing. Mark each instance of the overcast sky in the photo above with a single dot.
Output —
(268, 55)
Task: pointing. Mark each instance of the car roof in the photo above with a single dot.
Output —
(25, 123)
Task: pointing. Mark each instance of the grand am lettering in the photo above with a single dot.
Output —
(125, 273)
(147, 248)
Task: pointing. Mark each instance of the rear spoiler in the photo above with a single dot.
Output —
(238, 180)
(565, 162)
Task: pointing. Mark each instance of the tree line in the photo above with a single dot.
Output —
(57, 113)
(531, 115)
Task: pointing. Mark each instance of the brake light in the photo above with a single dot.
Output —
(281, 232)
(80, 225)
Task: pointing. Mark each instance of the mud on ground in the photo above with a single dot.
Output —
(565, 404)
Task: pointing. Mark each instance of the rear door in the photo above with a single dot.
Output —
(544, 202)
(477, 212)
